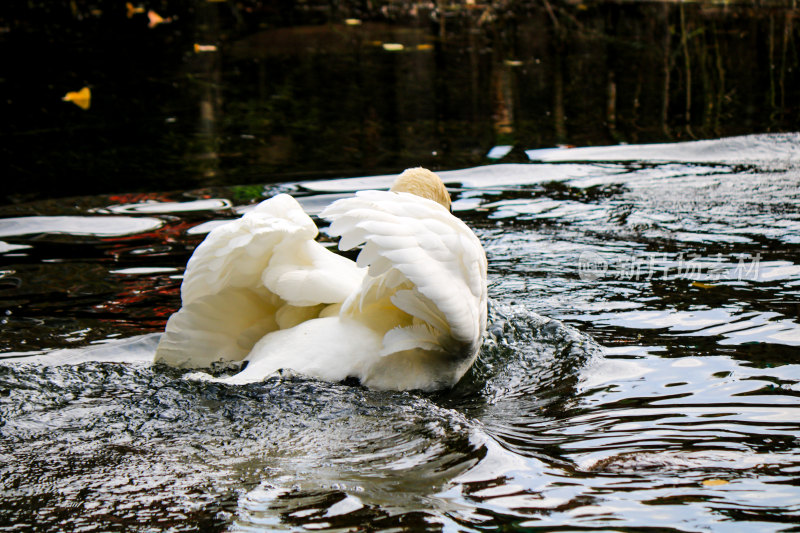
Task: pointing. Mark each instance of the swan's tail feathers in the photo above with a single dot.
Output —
(422, 261)
(251, 276)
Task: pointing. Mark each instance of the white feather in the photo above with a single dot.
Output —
(409, 338)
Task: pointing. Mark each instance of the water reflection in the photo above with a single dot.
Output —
(223, 93)
(97, 226)
(208, 204)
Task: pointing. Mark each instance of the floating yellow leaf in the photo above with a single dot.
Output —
(393, 47)
(204, 48)
(702, 285)
(132, 10)
(424, 47)
(352, 22)
(82, 98)
(513, 62)
(714, 482)
(156, 19)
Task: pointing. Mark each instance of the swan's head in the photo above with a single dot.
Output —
(422, 182)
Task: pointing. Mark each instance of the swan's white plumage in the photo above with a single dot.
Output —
(436, 252)
(250, 277)
(409, 313)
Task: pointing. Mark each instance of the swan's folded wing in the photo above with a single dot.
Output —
(428, 262)
(251, 276)
(237, 253)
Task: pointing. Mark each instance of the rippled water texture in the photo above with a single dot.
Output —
(639, 370)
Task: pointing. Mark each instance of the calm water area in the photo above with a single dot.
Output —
(632, 170)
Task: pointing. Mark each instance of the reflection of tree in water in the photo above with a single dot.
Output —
(530, 74)
(259, 91)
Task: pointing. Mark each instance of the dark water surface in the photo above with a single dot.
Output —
(640, 369)
(253, 92)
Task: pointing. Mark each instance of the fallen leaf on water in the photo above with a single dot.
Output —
(424, 47)
(702, 285)
(156, 19)
(132, 10)
(393, 47)
(352, 22)
(82, 98)
(204, 48)
(714, 482)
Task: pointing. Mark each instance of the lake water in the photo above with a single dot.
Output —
(254, 92)
(640, 369)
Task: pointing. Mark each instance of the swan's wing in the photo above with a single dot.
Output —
(422, 260)
(251, 276)
(237, 254)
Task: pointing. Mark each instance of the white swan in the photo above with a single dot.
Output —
(409, 314)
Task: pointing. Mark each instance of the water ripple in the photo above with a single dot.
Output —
(639, 371)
